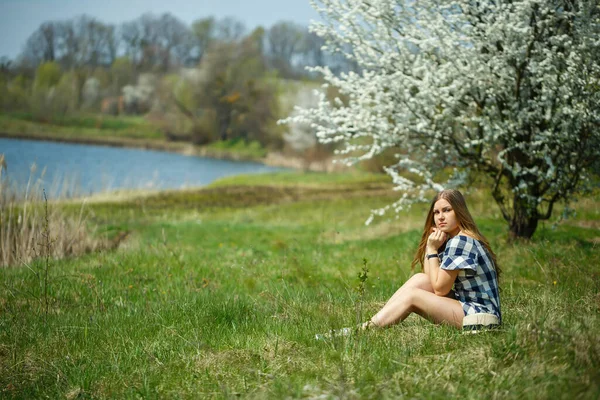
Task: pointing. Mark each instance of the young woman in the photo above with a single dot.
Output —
(458, 284)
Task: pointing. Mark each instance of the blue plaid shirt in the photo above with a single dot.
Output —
(476, 286)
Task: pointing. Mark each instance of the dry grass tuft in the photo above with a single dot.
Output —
(23, 216)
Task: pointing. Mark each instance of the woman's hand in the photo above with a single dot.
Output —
(435, 240)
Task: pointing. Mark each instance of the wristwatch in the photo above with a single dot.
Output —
(428, 256)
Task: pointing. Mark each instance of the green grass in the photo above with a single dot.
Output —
(100, 121)
(218, 293)
(305, 179)
(240, 147)
(81, 126)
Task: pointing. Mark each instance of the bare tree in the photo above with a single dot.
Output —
(96, 39)
(174, 39)
(203, 33)
(5, 65)
(149, 42)
(70, 43)
(76, 42)
(157, 42)
(229, 29)
(112, 43)
(284, 40)
(130, 36)
(42, 45)
(312, 50)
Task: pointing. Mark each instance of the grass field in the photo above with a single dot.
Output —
(217, 293)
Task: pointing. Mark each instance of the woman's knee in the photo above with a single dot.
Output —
(420, 276)
(417, 281)
(411, 297)
(420, 281)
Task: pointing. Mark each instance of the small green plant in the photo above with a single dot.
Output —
(363, 275)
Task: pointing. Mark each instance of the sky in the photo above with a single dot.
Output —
(20, 18)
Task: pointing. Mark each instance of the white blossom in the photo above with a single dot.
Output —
(510, 89)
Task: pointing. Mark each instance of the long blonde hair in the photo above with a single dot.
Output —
(465, 223)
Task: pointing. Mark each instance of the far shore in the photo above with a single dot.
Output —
(273, 159)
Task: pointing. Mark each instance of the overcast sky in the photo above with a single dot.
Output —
(20, 18)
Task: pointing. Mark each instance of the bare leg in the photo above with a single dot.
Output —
(419, 281)
(416, 295)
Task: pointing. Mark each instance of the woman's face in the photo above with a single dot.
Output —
(444, 217)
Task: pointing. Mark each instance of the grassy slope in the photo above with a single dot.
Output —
(125, 131)
(101, 127)
(219, 292)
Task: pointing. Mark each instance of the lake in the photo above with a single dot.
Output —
(66, 170)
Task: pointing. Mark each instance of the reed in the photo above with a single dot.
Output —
(23, 216)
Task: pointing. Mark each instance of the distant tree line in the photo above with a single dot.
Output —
(208, 81)
(159, 43)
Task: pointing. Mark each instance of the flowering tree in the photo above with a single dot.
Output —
(510, 89)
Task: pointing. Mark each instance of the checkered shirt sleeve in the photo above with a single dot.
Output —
(460, 254)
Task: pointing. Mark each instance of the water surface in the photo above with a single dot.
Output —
(65, 169)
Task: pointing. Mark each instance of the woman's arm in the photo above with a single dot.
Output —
(426, 266)
(441, 279)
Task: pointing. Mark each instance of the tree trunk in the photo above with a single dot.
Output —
(224, 118)
(524, 220)
(223, 125)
